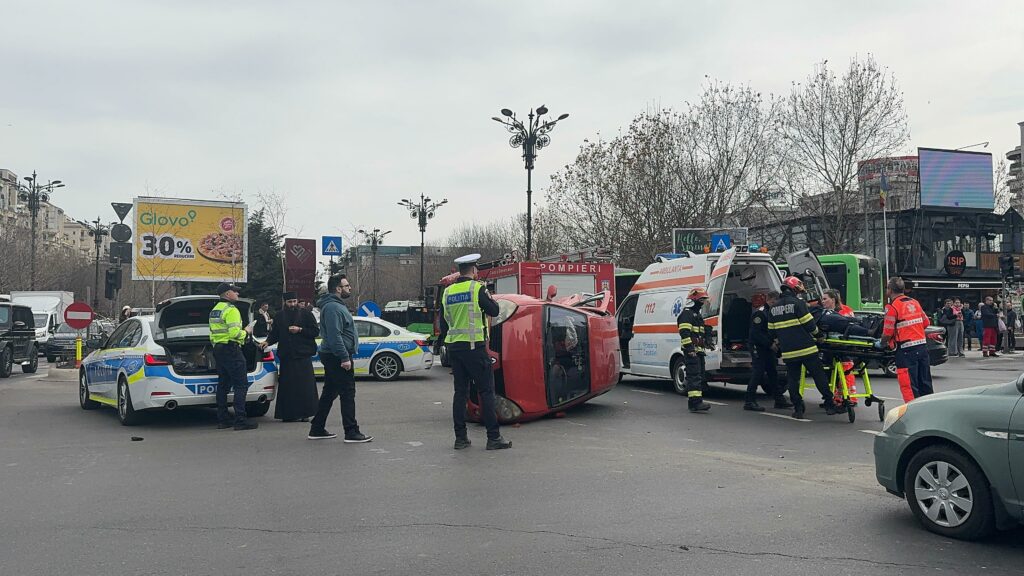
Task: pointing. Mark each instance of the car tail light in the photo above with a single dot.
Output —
(937, 336)
(421, 343)
(152, 360)
(268, 356)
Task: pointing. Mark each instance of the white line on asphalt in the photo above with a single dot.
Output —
(872, 432)
(887, 398)
(784, 416)
(715, 403)
(414, 444)
(646, 392)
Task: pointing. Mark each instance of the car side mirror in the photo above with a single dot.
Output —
(18, 325)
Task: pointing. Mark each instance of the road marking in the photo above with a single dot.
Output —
(715, 403)
(887, 398)
(872, 432)
(646, 392)
(774, 415)
(415, 444)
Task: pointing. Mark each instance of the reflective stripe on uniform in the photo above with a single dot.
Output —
(783, 324)
(686, 326)
(906, 323)
(910, 343)
(800, 353)
(806, 318)
(686, 341)
(694, 394)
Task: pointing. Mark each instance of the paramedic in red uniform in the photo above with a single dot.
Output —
(905, 322)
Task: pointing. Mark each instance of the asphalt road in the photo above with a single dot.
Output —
(630, 483)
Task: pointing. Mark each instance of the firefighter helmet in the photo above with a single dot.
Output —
(697, 294)
(794, 284)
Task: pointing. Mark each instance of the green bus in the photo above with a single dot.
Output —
(858, 278)
(413, 315)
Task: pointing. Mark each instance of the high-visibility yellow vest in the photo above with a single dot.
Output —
(226, 324)
(462, 313)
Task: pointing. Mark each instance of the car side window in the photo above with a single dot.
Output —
(133, 337)
(24, 315)
(362, 328)
(378, 331)
(114, 340)
(5, 315)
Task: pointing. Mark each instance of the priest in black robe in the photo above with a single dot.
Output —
(294, 331)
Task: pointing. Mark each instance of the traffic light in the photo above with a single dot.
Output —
(1007, 266)
(113, 277)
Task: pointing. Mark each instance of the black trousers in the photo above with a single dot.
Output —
(918, 365)
(815, 370)
(338, 383)
(694, 376)
(230, 376)
(763, 373)
(473, 365)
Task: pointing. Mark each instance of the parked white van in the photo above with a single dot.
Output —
(649, 335)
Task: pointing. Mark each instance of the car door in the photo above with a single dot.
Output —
(368, 346)
(24, 332)
(101, 370)
(805, 265)
(1016, 444)
(712, 313)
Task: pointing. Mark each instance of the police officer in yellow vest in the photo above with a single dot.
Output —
(464, 333)
(227, 336)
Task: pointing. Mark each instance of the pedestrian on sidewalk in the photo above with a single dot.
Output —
(295, 333)
(958, 327)
(947, 319)
(990, 327)
(337, 349)
(1010, 322)
(968, 319)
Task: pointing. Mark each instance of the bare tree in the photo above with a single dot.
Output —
(831, 123)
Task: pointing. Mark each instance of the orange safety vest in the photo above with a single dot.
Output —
(905, 321)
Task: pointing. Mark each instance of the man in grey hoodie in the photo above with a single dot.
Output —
(337, 349)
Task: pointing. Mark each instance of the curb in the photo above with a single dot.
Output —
(62, 375)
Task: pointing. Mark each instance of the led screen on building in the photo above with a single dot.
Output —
(952, 179)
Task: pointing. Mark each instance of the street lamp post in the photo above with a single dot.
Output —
(97, 231)
(375, 238)
(34, 194)
(531, 137)
(422, 211)
(982, 144)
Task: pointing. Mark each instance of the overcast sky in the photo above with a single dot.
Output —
(344, 108)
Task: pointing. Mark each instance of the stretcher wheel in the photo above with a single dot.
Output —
(851, 413)
(881, 411)
(867, 401)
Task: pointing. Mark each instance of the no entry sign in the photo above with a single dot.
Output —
(79, 315)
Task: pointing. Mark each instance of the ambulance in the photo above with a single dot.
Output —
(648, 333)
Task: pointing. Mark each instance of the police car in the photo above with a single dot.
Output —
(386, 350)
(164, 361)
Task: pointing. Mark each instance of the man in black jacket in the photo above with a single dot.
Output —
(792, 324)
(990, 328)
(295, 334)
(762, 356)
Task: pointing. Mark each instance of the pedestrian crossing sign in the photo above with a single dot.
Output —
(720, 242)
(330, 246)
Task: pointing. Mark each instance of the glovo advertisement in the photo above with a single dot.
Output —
(190, 240)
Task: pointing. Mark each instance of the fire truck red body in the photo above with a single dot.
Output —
(533, 278)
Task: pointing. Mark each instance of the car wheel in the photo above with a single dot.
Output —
(83, 393)
(125, 411)
(6, 362)
(256, 409)
(949, 493)
(33, 362)
(678, 372)
(889, 369)
(386, 367)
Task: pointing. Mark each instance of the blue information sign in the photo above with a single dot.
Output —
(330, 245)
(720, 242)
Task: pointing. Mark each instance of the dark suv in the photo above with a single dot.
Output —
(17, 339)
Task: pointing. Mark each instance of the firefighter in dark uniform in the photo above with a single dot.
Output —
(792, 324)
(464, 334)
(694, 340)
(762, 356)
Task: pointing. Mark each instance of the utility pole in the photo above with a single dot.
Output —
(98, 231)
(34, 194)
(422, 211)
(375, 238)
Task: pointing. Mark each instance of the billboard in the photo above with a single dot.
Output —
(190, 240)
(300, 267)
(952, 179)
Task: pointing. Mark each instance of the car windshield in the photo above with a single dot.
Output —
(40, 320)
(5, 315)
(65, 329)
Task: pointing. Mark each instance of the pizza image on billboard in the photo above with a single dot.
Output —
(221, 247)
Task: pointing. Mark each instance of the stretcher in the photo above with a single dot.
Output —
(860, 350)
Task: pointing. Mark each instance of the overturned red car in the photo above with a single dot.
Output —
(550, 355)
